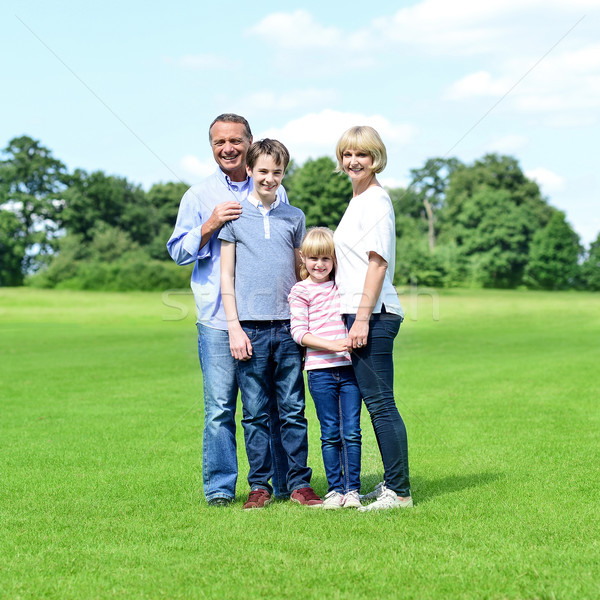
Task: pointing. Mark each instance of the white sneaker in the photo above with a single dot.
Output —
(333, 500)
(375, 493)
(388, 499)
(351, 500)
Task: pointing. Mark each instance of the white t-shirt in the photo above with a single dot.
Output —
(368, 225)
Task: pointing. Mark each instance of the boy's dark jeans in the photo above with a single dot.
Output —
(274, 368)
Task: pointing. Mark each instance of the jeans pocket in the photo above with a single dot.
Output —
(391, 323)
(251, 332)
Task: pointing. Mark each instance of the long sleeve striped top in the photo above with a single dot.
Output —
(315, 308)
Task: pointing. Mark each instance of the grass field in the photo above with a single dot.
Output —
(100, 481)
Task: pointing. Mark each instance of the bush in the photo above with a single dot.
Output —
(111, 262)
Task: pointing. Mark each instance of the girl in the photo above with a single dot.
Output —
(316, 324)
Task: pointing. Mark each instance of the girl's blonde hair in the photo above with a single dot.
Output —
(318, 241)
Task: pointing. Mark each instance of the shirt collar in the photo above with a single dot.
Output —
(236, 185)
(257, 204)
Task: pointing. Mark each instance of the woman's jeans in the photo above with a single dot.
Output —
(338, 402)
(374, 370)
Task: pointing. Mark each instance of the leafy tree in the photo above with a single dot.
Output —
(553, 256)
(320, 192)
(492, 212)
(12, 249)
(430, 183)
(164, 198)
(96, 198)
(590, 270)
(494, 233)
(31, 182)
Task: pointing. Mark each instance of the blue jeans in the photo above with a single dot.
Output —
(219, 456)
(374, 370)
(338, 402)
(273, 374)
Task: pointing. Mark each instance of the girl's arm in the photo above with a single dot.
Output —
(320, 343)
(357, 337)
(299, 324)
(241, 348)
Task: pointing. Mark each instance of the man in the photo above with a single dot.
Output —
(204, 209)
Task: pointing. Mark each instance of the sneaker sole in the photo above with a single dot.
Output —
(397, 505)
(307, 505)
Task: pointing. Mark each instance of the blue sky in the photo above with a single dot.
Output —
(130, 87)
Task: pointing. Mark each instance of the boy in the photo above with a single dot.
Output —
(259, 264)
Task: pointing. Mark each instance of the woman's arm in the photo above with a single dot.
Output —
(357, 337)
(241, 348)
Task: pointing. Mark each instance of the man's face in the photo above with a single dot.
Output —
(230, 146)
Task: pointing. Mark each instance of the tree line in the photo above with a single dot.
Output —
(483, 224)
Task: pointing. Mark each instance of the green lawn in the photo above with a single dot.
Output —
(100, 459)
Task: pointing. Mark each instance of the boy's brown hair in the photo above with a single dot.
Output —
(268, 147)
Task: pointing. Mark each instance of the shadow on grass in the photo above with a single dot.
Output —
(426, 490)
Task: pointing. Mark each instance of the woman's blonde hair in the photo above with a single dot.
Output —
(365, 138)
(318, 241)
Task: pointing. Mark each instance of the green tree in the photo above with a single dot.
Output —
(590, 269)
(164, 198)
(553, 256)
(492, 212)
(31, 183)
(12, 249)
(320, 192)
(96, 198)
(430, 183)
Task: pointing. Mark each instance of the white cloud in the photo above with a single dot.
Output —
(194, 167)
(549, 181)
(291, 100)
(316, 134)
(296, 30)
(560, 82)
(508, 144)
(470, 28)
(480, 83)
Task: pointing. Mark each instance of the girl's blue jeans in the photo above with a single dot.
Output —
(338, 402)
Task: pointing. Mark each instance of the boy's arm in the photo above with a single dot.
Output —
(241, 348)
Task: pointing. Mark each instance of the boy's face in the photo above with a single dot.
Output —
(267, 176)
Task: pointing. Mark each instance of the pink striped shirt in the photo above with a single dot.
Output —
(315, 308)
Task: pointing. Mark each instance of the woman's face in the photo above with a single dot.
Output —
(357, 164)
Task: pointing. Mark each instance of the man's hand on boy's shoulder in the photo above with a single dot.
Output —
(224, 212)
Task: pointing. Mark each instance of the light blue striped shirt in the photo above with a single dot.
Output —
(195, 209)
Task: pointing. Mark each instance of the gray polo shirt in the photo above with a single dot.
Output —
(265, 264)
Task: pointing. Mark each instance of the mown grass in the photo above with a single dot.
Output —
(100, 482)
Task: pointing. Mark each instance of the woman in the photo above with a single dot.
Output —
(365, 243)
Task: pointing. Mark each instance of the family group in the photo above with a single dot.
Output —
(275, 300)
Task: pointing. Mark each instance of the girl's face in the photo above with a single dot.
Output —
(318, 267)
